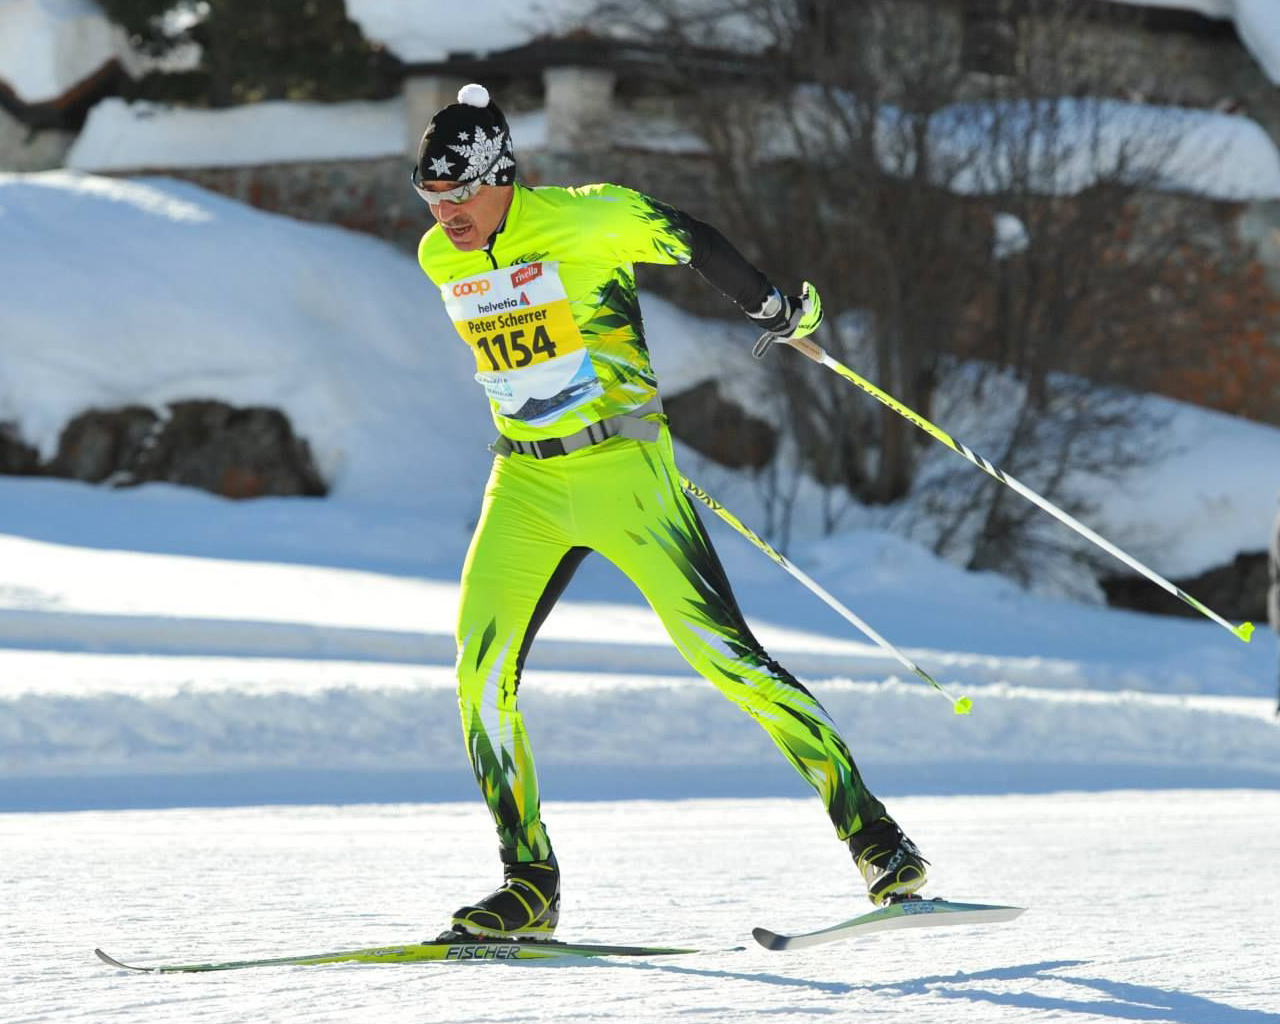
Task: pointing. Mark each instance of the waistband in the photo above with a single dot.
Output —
(632, 425)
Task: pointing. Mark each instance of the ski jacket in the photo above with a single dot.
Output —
(549, 309)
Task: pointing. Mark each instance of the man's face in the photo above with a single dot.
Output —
(469, 224)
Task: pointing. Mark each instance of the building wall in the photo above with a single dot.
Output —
(1212, 71)
(374, 196)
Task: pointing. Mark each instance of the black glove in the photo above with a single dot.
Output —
(789, 316)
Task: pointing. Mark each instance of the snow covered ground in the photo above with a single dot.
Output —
(136, 679)
(161, 646)
(229, 728)
(1142, 907)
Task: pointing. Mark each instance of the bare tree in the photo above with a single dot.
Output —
(874, 144)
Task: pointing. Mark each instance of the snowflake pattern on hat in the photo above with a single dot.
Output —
(486, 157)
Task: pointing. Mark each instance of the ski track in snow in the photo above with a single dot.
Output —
(1123, 925)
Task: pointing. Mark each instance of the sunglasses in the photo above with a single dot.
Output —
(462, 194)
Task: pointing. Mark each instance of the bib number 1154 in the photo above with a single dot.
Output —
(508, 350)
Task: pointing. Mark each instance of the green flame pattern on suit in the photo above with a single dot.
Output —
(594, 235)
(622, 499)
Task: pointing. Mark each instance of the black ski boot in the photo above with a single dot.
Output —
(890, 863)
(527, 906)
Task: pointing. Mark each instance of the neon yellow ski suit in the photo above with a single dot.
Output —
(550, 312)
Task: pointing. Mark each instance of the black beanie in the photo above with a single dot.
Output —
(468, 141)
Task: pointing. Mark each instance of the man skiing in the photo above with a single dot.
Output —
(540, 286)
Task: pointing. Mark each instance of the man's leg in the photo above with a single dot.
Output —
(645, 525)
(519, 562)
(642, 521)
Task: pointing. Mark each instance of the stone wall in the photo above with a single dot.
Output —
(234, 452)
(23, 149)
(372, 196)
(1237, 591)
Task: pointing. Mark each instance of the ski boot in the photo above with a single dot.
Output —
(890, 863)
(527, 906)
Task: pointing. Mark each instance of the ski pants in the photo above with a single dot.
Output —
(623, 499)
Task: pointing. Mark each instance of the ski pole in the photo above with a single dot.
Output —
(962, 705)
(819, 355)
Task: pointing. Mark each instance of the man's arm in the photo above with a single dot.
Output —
(639, 229)
(715, 258)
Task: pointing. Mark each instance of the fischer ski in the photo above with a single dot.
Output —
(911, 912)
(448, 952)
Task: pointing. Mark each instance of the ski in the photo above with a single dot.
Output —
(449, 952)
(912, 912)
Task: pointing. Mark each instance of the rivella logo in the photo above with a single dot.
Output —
(526, 274)
(471, 288)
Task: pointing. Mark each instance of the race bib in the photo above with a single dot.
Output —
(530, 356)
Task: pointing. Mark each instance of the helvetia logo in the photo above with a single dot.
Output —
(526, 274)
(524, 299)
(471, 288)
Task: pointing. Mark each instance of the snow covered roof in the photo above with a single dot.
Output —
(120, 136)
(48, 47)
(482, 26)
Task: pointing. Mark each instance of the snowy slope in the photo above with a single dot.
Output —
(160, 644)
(332, 326)
(347, 336)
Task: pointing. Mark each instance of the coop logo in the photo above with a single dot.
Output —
(526, 274)
(471, 288)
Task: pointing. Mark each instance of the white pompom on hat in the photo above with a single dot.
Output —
(474, 95)
(467, 141)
